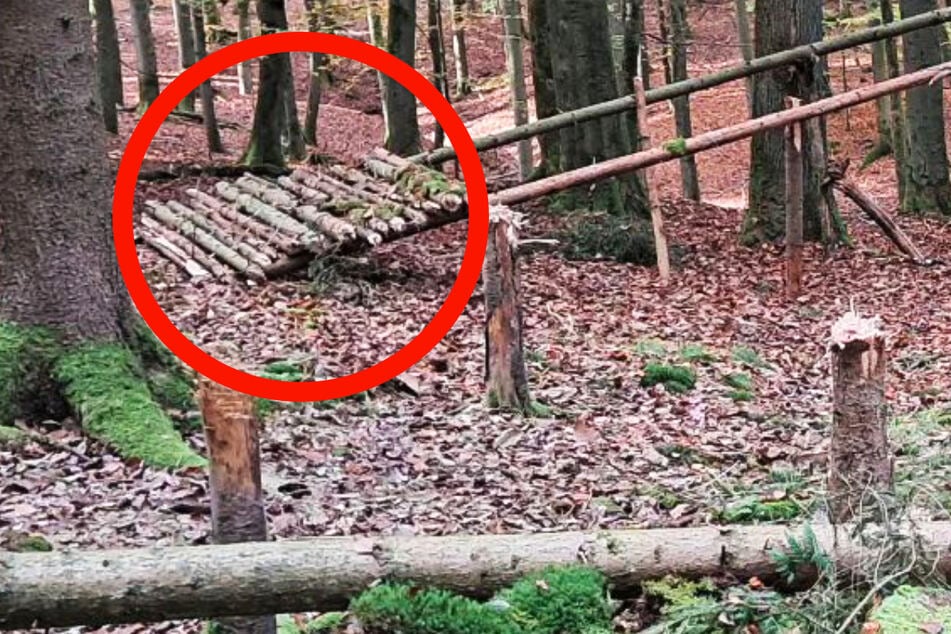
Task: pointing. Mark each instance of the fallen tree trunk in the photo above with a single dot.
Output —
(60, 589)
(675, 150)
(681, 88)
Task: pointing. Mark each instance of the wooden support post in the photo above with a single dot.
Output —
(794, 192)
(657, 218)
(860, 464)
(237, 509)
(506, 377)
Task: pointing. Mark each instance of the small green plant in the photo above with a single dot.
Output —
(11, 437)
(559, 600)
(696, 353)
(650, 348)
(752, 509)
(801, 553)
(677, 147)
(745, 355)
(675, 378)
(739, 381)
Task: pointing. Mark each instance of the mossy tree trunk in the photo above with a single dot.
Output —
(66, 323)
(512, 26)
(459, 51)
(146, 64)
(265, 147)
(543, 80)
(245, 77)
(181, 10)
(781, 25)
(927, 187)
(679, 37)
(402, 126)
(108, 62)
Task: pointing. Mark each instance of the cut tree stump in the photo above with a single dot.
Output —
(860, 462)
(506, 376)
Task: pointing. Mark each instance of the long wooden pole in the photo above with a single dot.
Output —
(672, 151)
(794, 215)
(681, 88)
(61, 589)
(657, 217)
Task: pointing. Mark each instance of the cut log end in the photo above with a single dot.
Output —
(852, 328)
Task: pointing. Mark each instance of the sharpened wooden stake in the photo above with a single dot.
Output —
(657, 218)
(794, 192)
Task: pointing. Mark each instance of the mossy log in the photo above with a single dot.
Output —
(301, 190)
(60, 589)
(267, 239)
(268, 192)
(416, 181)
(249, 204)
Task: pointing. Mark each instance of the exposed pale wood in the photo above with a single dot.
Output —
(237, 225)
(268, 192)
(303, 191)
(699, 143)
(270, 235)
(220, 233)
(657, 217)
(176, 255)
(259, 209)
(794, 212)
(61, 589)
(185, 245)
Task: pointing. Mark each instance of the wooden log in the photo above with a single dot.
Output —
(188, 247)
(360, 182)
(794, 213)
(884, 221)
(175, 255)
(277, 219)
(409, 176)
(304, 192)
(69, 588)
(220, 232)
(506, 376)
(657, 216)
(267, 192)
(268, 234)
(716, 138)
(205, 240)
(672, 91)
(860, 462)
(238, 225)
(234, 465)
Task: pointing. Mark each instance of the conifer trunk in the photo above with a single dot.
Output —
(108, 63)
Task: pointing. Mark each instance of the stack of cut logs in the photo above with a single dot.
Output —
(262, 228)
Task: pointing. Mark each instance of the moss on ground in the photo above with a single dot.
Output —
(677, 379)
(11, 437)
(26, 356)
(909, 609)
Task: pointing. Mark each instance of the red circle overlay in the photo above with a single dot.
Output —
(195, 357)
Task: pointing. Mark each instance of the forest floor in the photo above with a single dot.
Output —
(611, 453)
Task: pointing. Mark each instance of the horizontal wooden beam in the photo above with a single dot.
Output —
(693, 145)
(686, 87)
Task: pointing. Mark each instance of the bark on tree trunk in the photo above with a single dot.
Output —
(880, 73)
(543, 79)
(793, 140)
(108, 63)
(927, 188)
(319, 20)
(181, 10)
(146, 64)
(897, 120)
(746, 46)
(506, 376)
(264, 147)
(237, 509)
(680, 33)
(245, 76)
(512, 26)
(378, 39)
(459, 52)
(209, 118)
(860, 463)
(437, 51)
(93, 588)
(402, 126)
(293, 133)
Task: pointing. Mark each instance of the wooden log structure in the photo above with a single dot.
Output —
(860, 463)
(61, 589)
(682, 88)
(506, 375)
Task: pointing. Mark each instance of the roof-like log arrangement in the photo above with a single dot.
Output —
(263, 228)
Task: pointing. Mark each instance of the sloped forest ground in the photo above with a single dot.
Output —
(748, 443)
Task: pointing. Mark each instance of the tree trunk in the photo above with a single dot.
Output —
(108, 63)
(378, 39)
(746, 45)
(898, 126)
(245, 77)
(212, 19)
(209, 118)
(927, 188)
(506, 376)
(318, 21)
(458, 15)
(265, 147)
(437, 51)
(860, 463)
(237, 509)
(880, 73)
(322, 574)
(543, 80)
(293, 133)
(512, 24)
(402, 126)
(146, 64)
(680, 33)
(186, 45)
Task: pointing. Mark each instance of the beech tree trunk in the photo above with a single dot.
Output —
(544, 81)
(437, 51)
(108, 63)
(146, 64)
(378, 39)
(92, 588)
(512, 25)
(927, 187)
(860, 462)
(402, 126)
(746, 45)
(245, 76)
(237, 508)
(506, 376)
(209, 118)
(459, 52)
(680, 34)
(898, 127)
(318, 20)
(265, 147)
(181, 10)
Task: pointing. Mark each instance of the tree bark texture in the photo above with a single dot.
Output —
(209, 118)
(265, 148)
(57, 263)
(181, 10)
(108, 63)
(318, 21)
(378, 39)
(402, 126)
(146, 64)
(237, 508)
(322, 574)
(506, 376)
(860, 462)
(927, 188)
(680, 35)
(512, 27)
(459, 52)
(245, 76)
(746, 45)
(544, 81)
(898, 125)
(437, 51)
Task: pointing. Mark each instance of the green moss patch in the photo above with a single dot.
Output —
(751, 510)
(675, 378)
(559, 600)
(913, 610)
(26, 356)
(105, 385)
(11, 437)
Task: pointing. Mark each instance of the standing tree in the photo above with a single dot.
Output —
(512, 23)
(181, 10)
(746, 45)
(319, 20)
(146, 64)
(437, 50)
(197, 24)
(679, 34)
(265, 146)
(68, 333)
(458, 16)
(108, 62)
(927, 188)
(544, 81)
(402, 126)
(245, 79)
